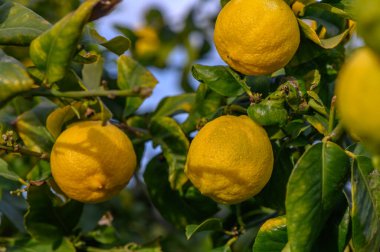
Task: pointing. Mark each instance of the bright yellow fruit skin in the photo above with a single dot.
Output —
(358, 97)
(256, 37)
(230, 159)
(91, 163)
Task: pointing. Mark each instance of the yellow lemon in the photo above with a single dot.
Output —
(358, 97)
(148, 42)
(256, 37)
(91, 163)
(230, 159)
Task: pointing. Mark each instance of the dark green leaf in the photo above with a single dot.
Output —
(218, 78)
(52, 51)
(19, 25)
(6, 173)
(278, 181)
(272, 236)
(13, 208)
(46, 219)
(171, 205)
(331, 9)
(167, 133)
(213, 224)
(13, 78)
(314, 188)
(132, 75)
(206, 104)
(175, 104)
(365, 211)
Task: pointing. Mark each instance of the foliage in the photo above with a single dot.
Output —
(55, 70)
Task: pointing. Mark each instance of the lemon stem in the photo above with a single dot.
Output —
(139, 91)
(22, 150)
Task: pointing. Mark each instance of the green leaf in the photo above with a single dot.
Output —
(92, 74)
(218, 78)
(173, 105)
(314, 188)
(6, 173)
(319, 122)
(206, 103)
(272, 235)
(40, 172)
(13, 208)
(365, 211)
(167, 133)
(60, 116)
(331, 9)
(268, 112)
(117, 45)
(316, 103)
(328, 43)
(46, 218)
(19, 25)
(53, 50)
(132, 75)
(31, 128)
(174, 208)
(13, 78)
(212, 224)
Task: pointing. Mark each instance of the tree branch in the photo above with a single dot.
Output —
(22, 150)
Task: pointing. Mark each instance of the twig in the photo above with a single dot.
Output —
(139, 91)
(22, 150)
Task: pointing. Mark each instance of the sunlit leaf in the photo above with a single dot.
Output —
(314, 188)
(175, 104)
(272, 235)
(13, 78)
(131, 75)
(52, 51)
(19, 25)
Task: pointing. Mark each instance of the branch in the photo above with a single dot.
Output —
(22, 150)
(138, 91)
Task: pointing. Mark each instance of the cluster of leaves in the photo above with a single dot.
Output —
(323, 194)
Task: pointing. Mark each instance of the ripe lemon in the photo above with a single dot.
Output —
(358, 97)
(256, 37)
(91, 163)
(148, 42)
(230, 159)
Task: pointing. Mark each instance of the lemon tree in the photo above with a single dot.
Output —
(276, 149)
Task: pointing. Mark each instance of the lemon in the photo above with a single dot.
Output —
(368, 22)
(230, 159)
(91, 163)
(358, 97)
(256, 37)
(148, 42)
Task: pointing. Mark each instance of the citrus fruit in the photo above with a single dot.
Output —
(148, 42)
(91, 162)
(368, 22)
(230, 159)
(358, 97)
(256, 37)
